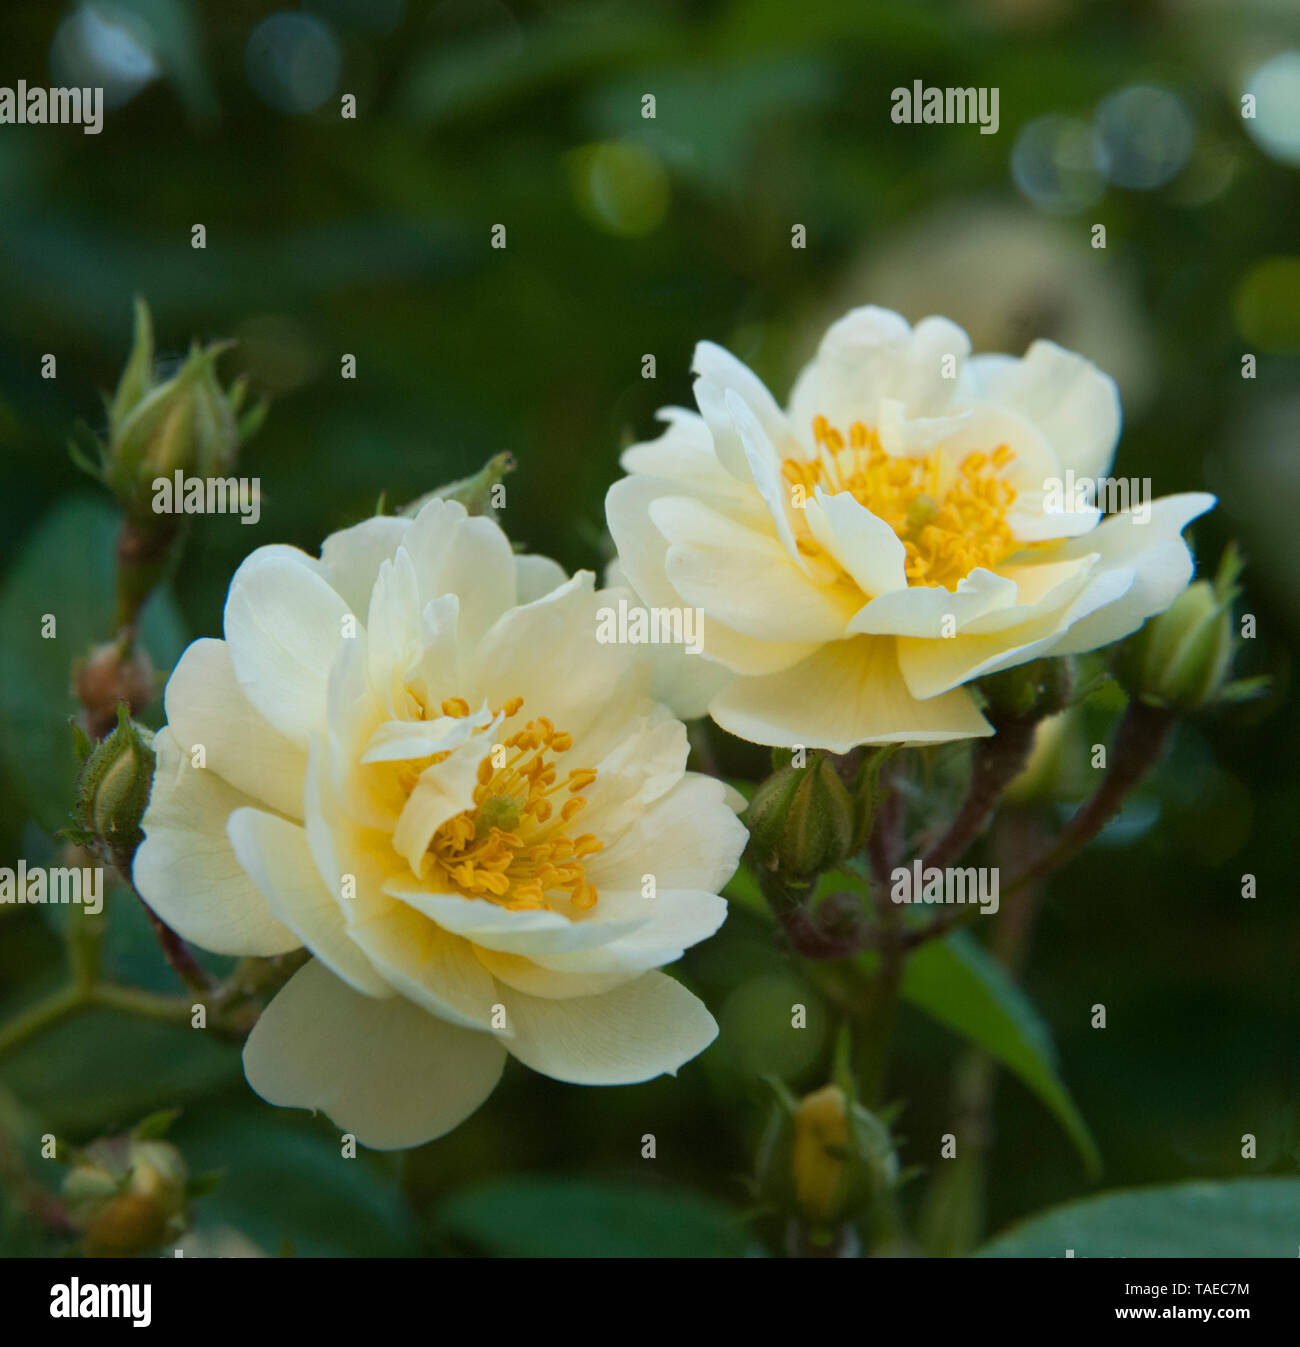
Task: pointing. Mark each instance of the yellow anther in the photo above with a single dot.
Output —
(946, 533)
(510, 847)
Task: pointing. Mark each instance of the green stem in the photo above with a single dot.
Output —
(882, 1012)
(995, 764)
(144, 557)
(43, 1015)
(68, 1000)
(143, 1005)
(1138, 743)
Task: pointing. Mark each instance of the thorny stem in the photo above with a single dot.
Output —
(176, 952)
(883, 849)
(1137, 744)
(886, 841)
(882, 1013)
(995, 763)
(142, 561)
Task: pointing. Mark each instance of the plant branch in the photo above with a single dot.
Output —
(995, 763)
(1139, 740)
(176, 952)
(1137, 744)
(43, 1015)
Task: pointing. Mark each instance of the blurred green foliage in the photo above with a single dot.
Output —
(629, 236)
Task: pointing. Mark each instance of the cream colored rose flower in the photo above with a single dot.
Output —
(680, 677)
(423, 766)
(908, 525)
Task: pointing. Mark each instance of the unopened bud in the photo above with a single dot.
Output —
(820, 1153)
(1028, 691)
(826, 1157)
(186, 422)
(842, 1156)
(113, 673)
(113, 788)
(802, 819)
(1182, 658)
(126, 1196)
(478, 493)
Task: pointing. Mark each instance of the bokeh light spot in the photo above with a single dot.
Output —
(1146, 136)
(293, 61)
(1275, 127)
(104, 47)
(619, 187)
(1267, 305)
(1058, 164)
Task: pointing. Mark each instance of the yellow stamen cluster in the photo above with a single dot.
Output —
(514, 846)
(946, 535)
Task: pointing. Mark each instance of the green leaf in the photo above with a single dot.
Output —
(284, 1180)
(156, 1125)
(102, 1070)
(541, 1218)
(65, 570)
(203, 1184)
(1240, 1218)
(957, 983)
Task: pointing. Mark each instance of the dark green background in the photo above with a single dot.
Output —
(371, 237)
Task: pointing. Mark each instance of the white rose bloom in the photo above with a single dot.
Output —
(681, 678)
(422, 766)
(894, 534)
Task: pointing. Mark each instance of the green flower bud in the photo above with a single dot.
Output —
(1181, 659)
(1028, 691)
(156, 427)
(765, 814)
(478, 493)
(113, 788)
(819, 823)
(126, 1196)
(826, 1158)
(802, 819)
(1186, 651)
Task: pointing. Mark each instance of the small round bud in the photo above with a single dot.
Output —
(113, 788)
(820, 1152)
(802, 819)
(825, 1158)
(108, 676)
(126, 1196)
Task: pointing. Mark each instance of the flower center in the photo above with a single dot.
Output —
(947, 533)
(515, 846)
